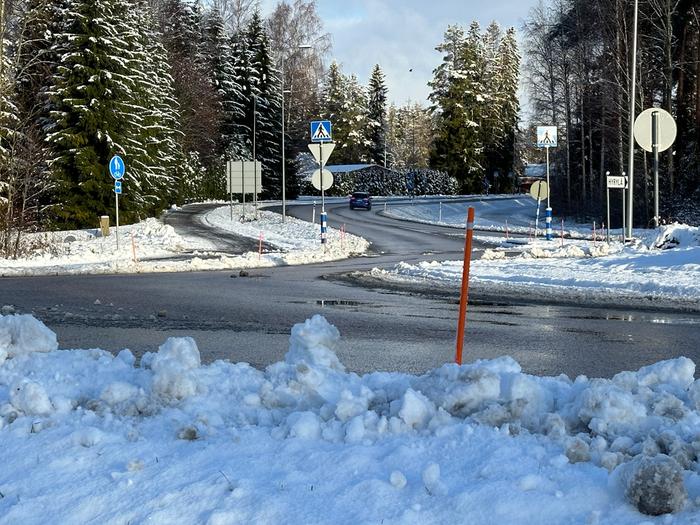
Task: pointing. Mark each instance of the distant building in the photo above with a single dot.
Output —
(531, 174)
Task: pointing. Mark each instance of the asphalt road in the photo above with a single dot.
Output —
(248, 318)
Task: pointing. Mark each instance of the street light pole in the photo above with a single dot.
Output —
(284, 162)
(633, 94)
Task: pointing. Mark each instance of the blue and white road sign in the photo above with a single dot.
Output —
(321, 131)
(117, 167)
(546, 136)
(118, 187)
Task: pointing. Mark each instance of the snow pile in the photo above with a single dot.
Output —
(592, 271)
(151, 246)
(676, 236)
(248, 445)
(23, 334)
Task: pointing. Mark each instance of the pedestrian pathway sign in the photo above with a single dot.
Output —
(546, 136)
(321, 131)
(116, 167)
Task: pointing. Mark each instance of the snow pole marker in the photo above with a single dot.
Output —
(562, 233)
(133, 248)
(464, 295)
(313, 214)
(260, 241)
(548, 222)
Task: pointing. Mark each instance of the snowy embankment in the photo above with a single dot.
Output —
(151, 246)
(661, 268)
(90, 437)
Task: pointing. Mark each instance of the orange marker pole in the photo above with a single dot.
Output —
(464, 296)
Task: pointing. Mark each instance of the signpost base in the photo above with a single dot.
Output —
(548, 231)
(324, 226)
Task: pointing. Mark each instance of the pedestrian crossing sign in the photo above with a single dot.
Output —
(546, 136)
(321, 131)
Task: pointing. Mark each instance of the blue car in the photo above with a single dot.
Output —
(360, 199)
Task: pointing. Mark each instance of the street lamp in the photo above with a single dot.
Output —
(284, 168)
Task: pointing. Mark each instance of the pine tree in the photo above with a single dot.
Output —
(457, 98)
(346, 108)
(265, 87)
(376, 132)
(509, 81)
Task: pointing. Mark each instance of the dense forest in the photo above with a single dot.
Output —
(578, 64)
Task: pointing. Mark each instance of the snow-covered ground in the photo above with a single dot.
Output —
(515, 214)
(662, 267)
(149, 246)
(89, 437)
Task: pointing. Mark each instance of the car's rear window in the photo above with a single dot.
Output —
(360, 195)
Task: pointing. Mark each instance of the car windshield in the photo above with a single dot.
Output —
(360, 195)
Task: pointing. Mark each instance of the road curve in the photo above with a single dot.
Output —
(248, 318)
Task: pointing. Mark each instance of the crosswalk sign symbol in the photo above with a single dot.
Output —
(321, 131)
(546, 136)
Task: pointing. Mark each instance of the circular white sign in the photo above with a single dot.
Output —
(327, 179)
(539, 190)
(667, 129)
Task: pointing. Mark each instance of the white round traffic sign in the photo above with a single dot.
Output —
(327, 179)
(667, 129)
(539, 190)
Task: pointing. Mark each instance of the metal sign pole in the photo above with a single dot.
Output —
(633, 100)
(243, 186)
(116, 197)
(548, 211)
(324, 217)
(624, 211)
(229, 173)
(607, 232)
(655, 148)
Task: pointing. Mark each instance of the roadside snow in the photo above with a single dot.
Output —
(663, 266)
(150, 246)
(92, 437)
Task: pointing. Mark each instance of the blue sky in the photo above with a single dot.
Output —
(401, 35)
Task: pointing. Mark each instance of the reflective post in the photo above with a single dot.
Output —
(464, 295)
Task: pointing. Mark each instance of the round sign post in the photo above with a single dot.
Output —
(117, 168)
(655, 131)
(539, 191)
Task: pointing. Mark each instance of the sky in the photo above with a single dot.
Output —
(401, 35)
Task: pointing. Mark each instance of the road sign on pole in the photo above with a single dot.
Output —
(327, 150)
(616, 182)
(539, 191)
(117, 168)
(655, 131)
(322, 183)
(321, 131)
(546, 136)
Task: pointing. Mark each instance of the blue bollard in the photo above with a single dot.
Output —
(548, 231)
(324, 226)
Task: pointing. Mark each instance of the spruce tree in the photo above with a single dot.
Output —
(88, 96)
(220, 58)
(266, 108)
(376, 121)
